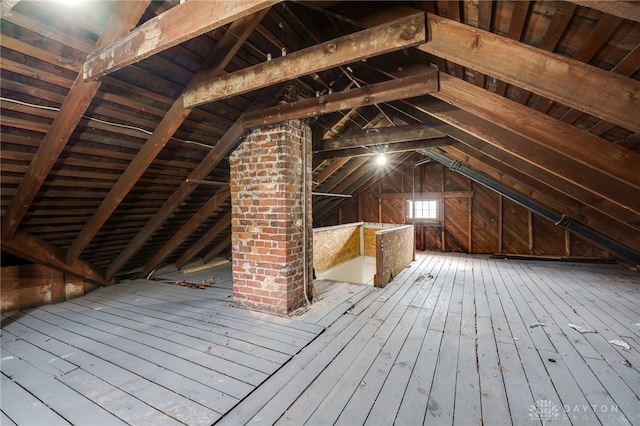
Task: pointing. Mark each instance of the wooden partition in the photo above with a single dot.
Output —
(333, 245)
(28, 286)
(395, 249)
(472, 218)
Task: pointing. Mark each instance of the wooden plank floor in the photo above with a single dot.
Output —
(454, 339)
(141, 352)
(457, 339)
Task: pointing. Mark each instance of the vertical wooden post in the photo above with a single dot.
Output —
(530, 224)
(500, 224)
(470, 224)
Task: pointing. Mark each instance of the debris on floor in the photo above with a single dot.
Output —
(581, 329)
(623, 345)
(536, 324)
(201, 285)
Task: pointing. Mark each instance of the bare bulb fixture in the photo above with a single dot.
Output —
(381, 159)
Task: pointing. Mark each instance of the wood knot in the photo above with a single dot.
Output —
(409, 32)
(330, 49)
(476, 41)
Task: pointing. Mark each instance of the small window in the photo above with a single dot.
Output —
(425, 209)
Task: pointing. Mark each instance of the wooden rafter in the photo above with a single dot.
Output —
(6, 6)
(32, 248)
(590, 89)
(516, 28)
(383, 148)
(177, 25)
(226, 242)
(73, 108)
(622, 9)
(172, 120)
(468, 129)
(402, 33)
(194, 222)
(384, 135)
(401, 88)
(507, 173)
(328, 171)
(596, 39)
(591, 151)
(202, 170)
(215, 230)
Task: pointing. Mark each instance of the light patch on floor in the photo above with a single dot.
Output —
(359, 270)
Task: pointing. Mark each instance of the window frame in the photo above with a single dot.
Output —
(436, 210)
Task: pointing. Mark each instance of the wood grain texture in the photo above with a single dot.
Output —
(405, 32)
(560, 79)
(178, 24)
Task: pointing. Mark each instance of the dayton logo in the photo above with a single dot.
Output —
(543, 410)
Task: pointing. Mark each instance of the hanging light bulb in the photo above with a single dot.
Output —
(381, 159)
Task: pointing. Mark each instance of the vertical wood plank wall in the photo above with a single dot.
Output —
(483, 223)
(27, 286)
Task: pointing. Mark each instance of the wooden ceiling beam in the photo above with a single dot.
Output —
(178, 24)
(328, 171)
(194, 222)
(401, 88)
(383, 148)
(377, 136)
(6, 6)
(172, 120)
(591, 151)
(598, 92)
(622, 9)
(34, 249)
(73, 108)
(395, 35)
(215, 230)
(332, 184)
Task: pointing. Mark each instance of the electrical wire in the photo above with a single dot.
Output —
(108, 123)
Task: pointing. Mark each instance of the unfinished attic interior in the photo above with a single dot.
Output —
(180, 180)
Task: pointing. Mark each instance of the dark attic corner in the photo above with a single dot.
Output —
(312, 212)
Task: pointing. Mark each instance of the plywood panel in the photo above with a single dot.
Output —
(370, 241)
(334, 246)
